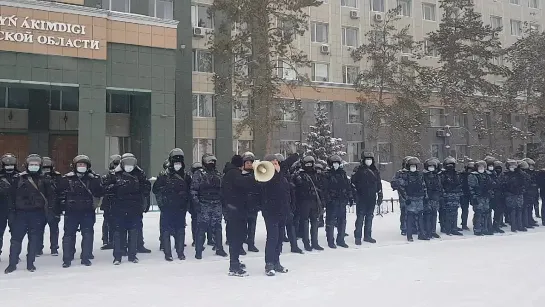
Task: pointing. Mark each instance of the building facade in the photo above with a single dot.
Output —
(144, 81)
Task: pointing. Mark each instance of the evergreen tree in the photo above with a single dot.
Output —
(319, 142)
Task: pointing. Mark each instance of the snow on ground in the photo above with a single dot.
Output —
(502, 270)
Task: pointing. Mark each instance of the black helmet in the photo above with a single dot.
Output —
(334, 158)
(431, 162)
(320, 165)
(470, 166)
(367, 154)
(498, 164)
(308, 159)
(523, 164)
(165, 164)
(128, 159)
(412, 161)
(81, 159)
(8, 159)
(176, 154)
(510, 163)
(208, 158)
(248, 156)
(114, 161)
(47, 162)
(404, 161)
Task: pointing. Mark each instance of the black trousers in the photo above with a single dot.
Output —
(464, 204)
(107, 228)
(53, 222)
(85, 221)
(236, 234)
(29, 223)
(273, 246)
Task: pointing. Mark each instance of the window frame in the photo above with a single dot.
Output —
(372, 7)
(442, 117)
(439, 151)
(434, 52)
(198, 104)
(236, 146)
(244, 109)
(353, 107)
(195, 16)
(347, 5)
(282, 70)
(407, 8)
(345, 73)
(536, 6)
(313, 32)
(121, 140)
(313, 71)
(497, 18)
(350, 154)
(195, 55)
(514, 2)
(466, 151)
(519, 27)
(288, 107)
(197, 157)
(109, 5)
(433, 12)
(153, 5)
(344, 36)
(389, 152)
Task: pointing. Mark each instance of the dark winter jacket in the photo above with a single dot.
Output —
(25, 197)
(413, 186)
(531, 196)
(308, 189)
(253, 193)
(172, 190)
(513, 183)
(367, 183)
(206, 187)
(235, 190)
(130, 191)
(465, 185)
(275, 197)
(479, 185)
(55, 177)
(77, 193)
(337, 186)
(451, 181)
(6, 181)
(433, 185)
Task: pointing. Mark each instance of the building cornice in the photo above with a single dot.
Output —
(89, 11)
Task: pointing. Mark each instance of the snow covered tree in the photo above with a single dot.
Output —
(258, 38)
(319, 142)
(391, 86)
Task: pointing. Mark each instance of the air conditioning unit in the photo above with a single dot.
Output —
(324, 49)
(198, 32)
(379, 17)
(354, 14)
(440, 133)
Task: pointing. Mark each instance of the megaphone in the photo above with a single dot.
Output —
(263, 170)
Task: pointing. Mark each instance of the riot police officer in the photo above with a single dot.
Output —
(337, 193)
(206, 199)
(530, 196)
(435, 194)
(496, 201)
(80, 191)
(512, 183)
(159, 201)
(451, 181)
(395, 186)
(533, 192)
(105, 206)
(368, 189)
(8, 169)
(308, 195)
(172, 187)
(130, 189)
(52, 218)
(464, 202)
(32, 196)
(479, 187)
(413, 189)
(253, 201)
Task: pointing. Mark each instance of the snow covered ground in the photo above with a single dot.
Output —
(503, 270)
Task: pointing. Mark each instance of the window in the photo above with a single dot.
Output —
(436, 152)
(289, 110)
(354, 114)
(456, 120)
(517, 2)
(533, 4)
(384, 153)
(349, 3)
(118, 103)
(200, 17)
(240, 109)
(404, 7)
(202, 61)
(287, 147)
(428, 11)
(116, 145)
(377, 5)
(201, 147)
(437, 117)
(430, 49)
(320, 72)
(241, 146)
(350, 36)
(496, 22)
(350, 74)
(65, 100)
(534, 27)
(285, 71)
(498, 60)
(3, 97)
(516, 27)
(162, 9)
(461, 152)
(203, 105)
(117, 5)
(353, 151)
(319, 32)
(18, 98)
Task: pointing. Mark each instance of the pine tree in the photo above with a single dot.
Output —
(319, 142)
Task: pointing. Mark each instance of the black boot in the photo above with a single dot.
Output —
(329, 235)
(218, 238)
(180, 247)
(132, 245)
(306, 236)
(166, 244)
(367, 230)
(341, 228)
(314, 236)
(199, 241)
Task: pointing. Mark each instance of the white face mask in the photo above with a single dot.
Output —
(33, 168)
(336, 166)
(512, 169)
(480, 170)
(412, 168)
(128, 168)
(491, 168)
(9, 167)
(177, 166)
(431, 168)
(368, 162)
(81, 169)
(309, 164)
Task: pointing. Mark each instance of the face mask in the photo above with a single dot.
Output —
(449, 166)
(412, 168)
(480, 170)
(33, 168)
(491, 168)
(431, 168)
(309, 165)
(128, 168)
(9, 168)
(336, 166)
(177, 166)
(368, 162)
(511, 169)
(81, 169)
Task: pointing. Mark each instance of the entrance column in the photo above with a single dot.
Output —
(92, 125)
